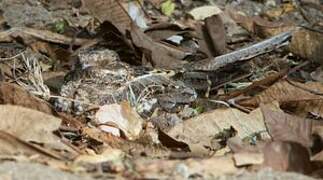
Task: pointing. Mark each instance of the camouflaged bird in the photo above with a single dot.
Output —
(99, 77)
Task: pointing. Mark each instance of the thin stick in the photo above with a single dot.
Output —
(242, 54)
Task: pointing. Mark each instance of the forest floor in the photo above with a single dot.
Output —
(161, 89)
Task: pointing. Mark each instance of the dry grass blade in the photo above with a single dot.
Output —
(33, 83)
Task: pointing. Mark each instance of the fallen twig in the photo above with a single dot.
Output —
(242, 54)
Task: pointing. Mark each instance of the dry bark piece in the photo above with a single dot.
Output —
(284, 127)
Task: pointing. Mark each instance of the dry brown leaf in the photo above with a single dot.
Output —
(241, 19)
(15, 95)
(30, 125)
(278, 155)
(164, 30)
(109, 10)
(265, 29)
(11, 145)
(201, 39)
(308, 44)
(160, 55)
(216, 31)
(305, 107)
(201, 130)
(259, 25)
(121, 117)
(236, 145)
(257, 86)
(284, 127)
(280, 10)
(287, 156)
(318, 157)
(283, 91)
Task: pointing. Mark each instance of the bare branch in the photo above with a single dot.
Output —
(242, 54)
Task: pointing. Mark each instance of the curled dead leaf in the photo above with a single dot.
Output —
(121, 117)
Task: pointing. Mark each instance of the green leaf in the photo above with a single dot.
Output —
(168, 7)
(60, 26)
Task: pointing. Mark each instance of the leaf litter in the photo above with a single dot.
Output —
(161, 89)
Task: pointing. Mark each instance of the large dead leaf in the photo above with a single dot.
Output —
(278, 155)
(13, 94)
(201, 130)
(109, 10)
(287, 156)
(11, 145)
(284, 91)
(164, 30)
(122, 117)
(308, 44)
(260, 26)
(29, 125)
(304, 108)
(256, 86)
(158, 54)
(284, 127)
